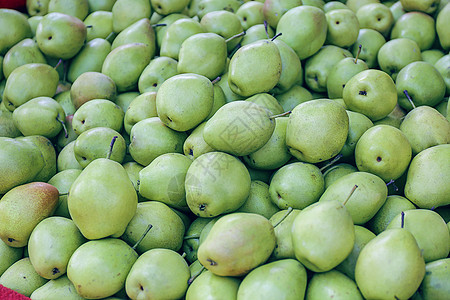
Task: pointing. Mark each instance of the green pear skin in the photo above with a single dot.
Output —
(207, 284)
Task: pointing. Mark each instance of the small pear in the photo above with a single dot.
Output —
(259, 201)
(195, 144)
(140, 108)
(98, 25)
(66, 158)
(337, 171)
(63, 181)
(92, 85)
(55, 289)
(208, 285)
(126, 12)
(192, 236)
(332, 284)
(282, 222)
(22, 53)
(156, 72)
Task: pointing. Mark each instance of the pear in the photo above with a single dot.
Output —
(163, 179)
(37, 8)
(92, 85)
(125, 64)
(195, 144)
(51, 244)
(98, 113)
(167, 227)
(296, 185)
(66, 158)
(227, 248)
(27, 205)
(407, 26)
(257, 33)
(14, 28)
(428, 6)
(126, 12)
(139, 32)
(192, 237)
(206, 6)
(98, 269)
(306, 140)
(293, 97)
(158, 274)
(60, 288)
(343, 27)
(208, 285)
(265, 73)
(63, 181)
(371, 41)
(102, 200)
(90, 59)
(304, 29)
(63, 98)
(79, 9)
(390, 266)
(259, 201)
(282, 222)
(442, 66)
(239, 128)
(206, 229)
(341, 73)
(332, 284)
(22, 278)
(98, 25)
(358, 124)
(268, 101)
(22, 53)
(441, 28)
(362, 237)
(160, 30)
(376, 16)
(140, 108)
(7, 127)
(216, 183)
(263, 282)
(9, 255)
(18, 90)
(186, 113)
(429, 230)
(133, 169)
(337, 171)
(434, 284)
(274, 9)
(156, 72)
(166, 7)
(393, 206)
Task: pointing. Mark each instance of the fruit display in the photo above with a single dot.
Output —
(225, 149)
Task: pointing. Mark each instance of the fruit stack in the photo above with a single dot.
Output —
(225, 149)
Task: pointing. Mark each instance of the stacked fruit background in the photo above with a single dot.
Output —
(225, 149)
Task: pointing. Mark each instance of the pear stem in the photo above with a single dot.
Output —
(351, 193)
(111, 147)
(266, 29)
(89, 26)
(195, 275)
(332, 162)
(59, 63)
(235, 36)
(159, 25)
(111, 37)
(409, 98)
(403, 220)
(192, 236)
(142, 236)
(289, 210)
(183, 255)
(66, 134)
(272, 39)
(216, 80)
(357, 54)
(281, 115)
(392, 181)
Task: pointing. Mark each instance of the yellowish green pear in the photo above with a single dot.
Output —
(208, 285)
(14, 27)
(55, 289)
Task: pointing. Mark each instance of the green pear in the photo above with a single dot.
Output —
(51, 244)
(311, 143)
(139, 32)
(198, 97)
(341, 73)
(425, 127)
(22, 53)
(371, 41)
(434, 284)
(394, 118)
(441, 27)
(9, 255)
(407, 26)
(7, 127)
(79, 9)
(158, 274)
(166, 7)
(176, 34)
(273, 10)
(195, 145)
(219, 100)
(251, 13)
(90, 59)
(268, 101)
(64, 99)
(102, 200)
(60, 35)
(337, 171)
(60, 288)
(27, 205)
(124, 99)
(332, 284)
(384, 151)
(397, 10)
(156, 72)
(209, 286)
(442, 66)
(37, 7)
(323, 235)
(296, 185)
(140, 108)
(343, 27)
(224, 23)
(150, 138)
(396, 54)
(423, 82)
(66, 158)
(390, 266)
(63, 181)
(376, 16)
(105, 5)
(206, 6)
(429, 230)
(18, 90)
(427, 6)
(125, 64)
(163, 179)
(34, 22)
(133, 169)
(98, 25)
(263, 282)
(191, 239)
(256, 33)
(48, 154)
(14, 28)
(274, 154)
(265, 73)
(229, 94)
(293, 97)
(236, 244)
(216, 183)
(332, 5)
(282, 222)
(206, 230)
(362, 237)
(98, 113)
(259, 201)
(291, 68)
(365, 201)
(65, 136)
(22, 278)
(92, 85)
(126, 12)
(98, 269)
(160, 30)
(358, 124)
(393, 206)
(304, 29)
(319, 65)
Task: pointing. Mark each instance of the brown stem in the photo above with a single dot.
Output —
(235, 36)
(351, 193)
(281, 115)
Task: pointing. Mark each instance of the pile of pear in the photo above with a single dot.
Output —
(225, 149)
